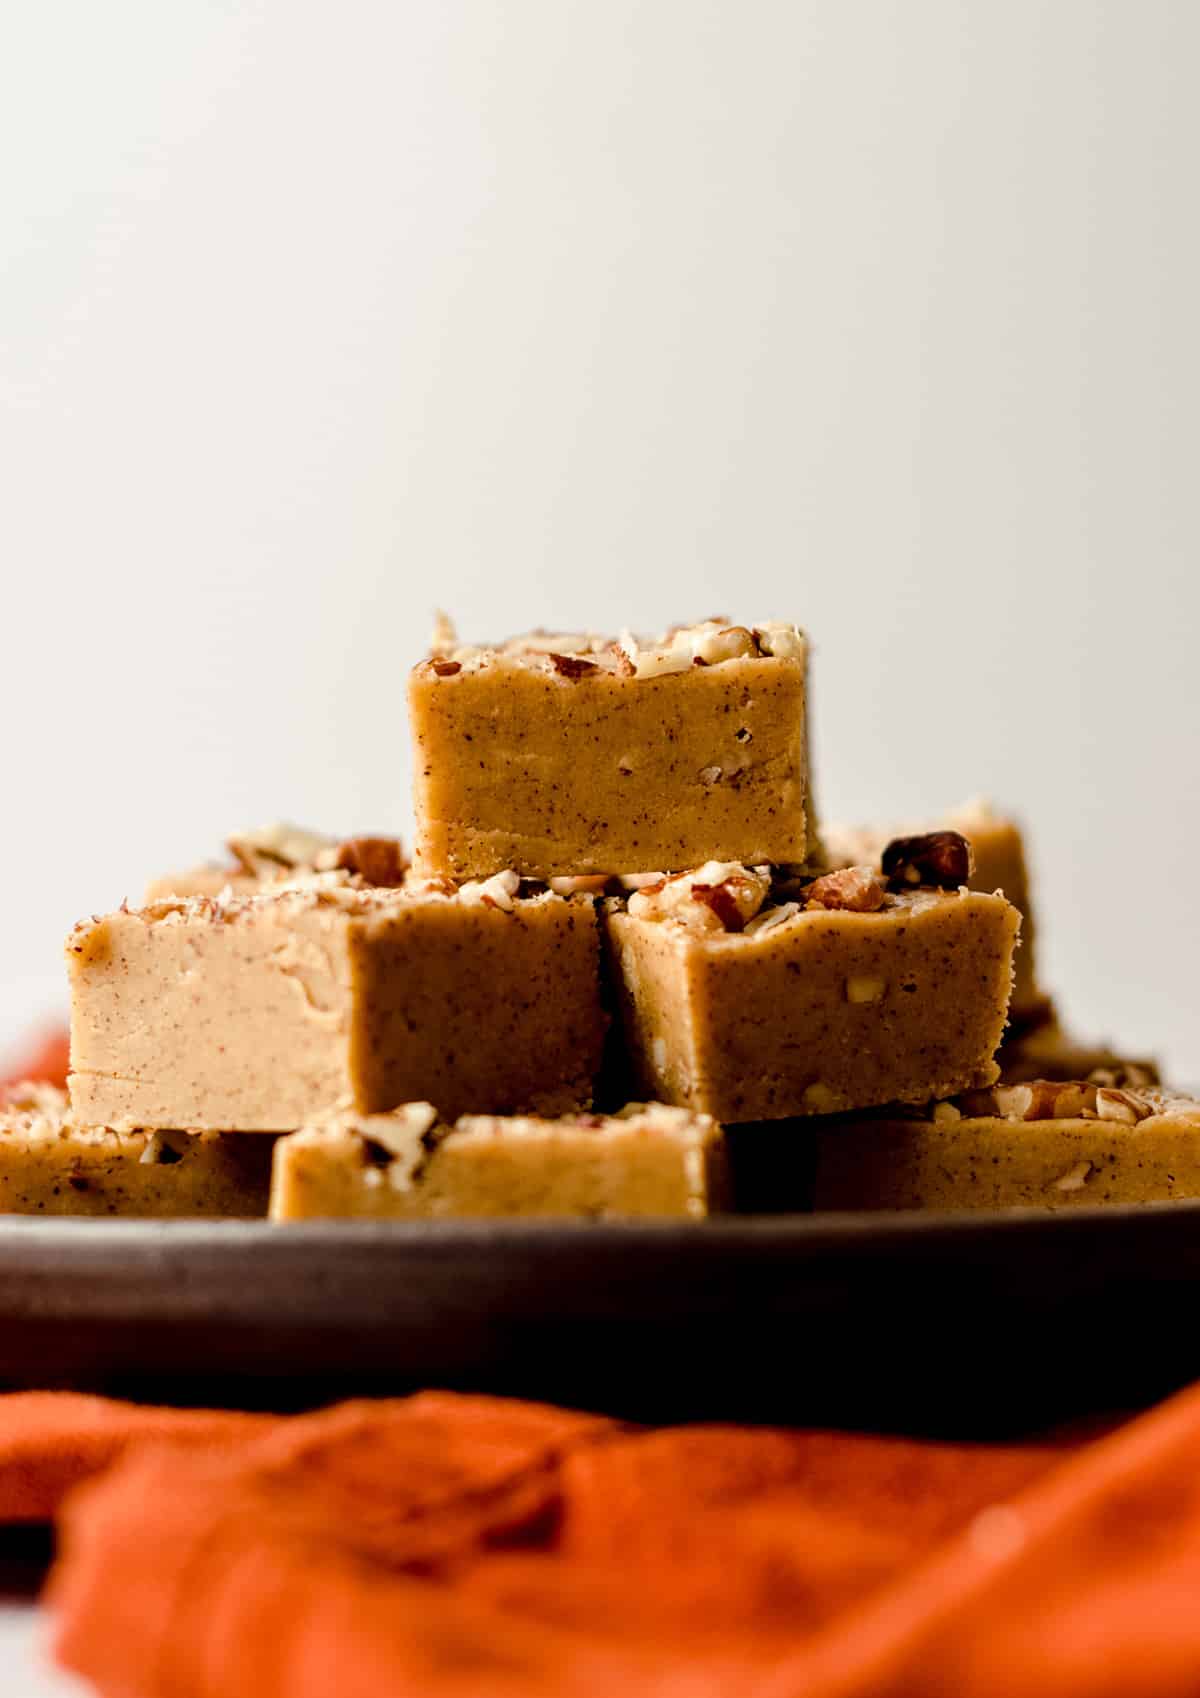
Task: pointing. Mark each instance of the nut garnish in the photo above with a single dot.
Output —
(719, 896)
(640, 881)
(379, 860)
(772, 917)
(858, 889)
(1051, 1099)
(711, 642)
(941, 858)
(784, 642)
(264, 851)
(446, 668)
(495, 892)
(728, 643)
(1117, 1105)
(1015, 1102)
(1075, 1178)
(401, 1142)
(572, 665)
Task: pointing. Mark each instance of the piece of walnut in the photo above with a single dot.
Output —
(858, 889)
(941, 858)
(378, 860)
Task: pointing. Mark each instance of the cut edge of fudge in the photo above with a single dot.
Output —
(348, 1024)
(413, 1164)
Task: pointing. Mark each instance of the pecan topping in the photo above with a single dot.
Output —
(379, 860)
(857, 888)
(720, 899)
(621, 662)
(1054, 1099)
(942, 858)
(572, 665)
(446, 668)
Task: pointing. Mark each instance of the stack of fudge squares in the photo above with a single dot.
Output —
(622, 953)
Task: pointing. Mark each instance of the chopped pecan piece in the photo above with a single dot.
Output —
(446, 668)
(724, 905)
(379, 860)
(858, 889)
(942, 858)
(572, 665)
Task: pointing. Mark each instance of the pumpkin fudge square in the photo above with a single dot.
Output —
(751, 1000)
(410, 1165)
(1046, 1144)
(562, 755)
(263, 1012)
(998, 863)
(51, 1165)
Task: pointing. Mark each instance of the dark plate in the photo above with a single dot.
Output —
(967, 1324)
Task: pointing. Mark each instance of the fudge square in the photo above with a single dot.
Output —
(646, 1160)
(49, 1165)
(999, 863)
(844, 995)
(262, 1012)
(568, 755)
(1048, 1144)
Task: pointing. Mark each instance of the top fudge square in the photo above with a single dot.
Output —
(561, 756)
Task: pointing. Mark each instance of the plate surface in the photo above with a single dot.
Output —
(967, 1324)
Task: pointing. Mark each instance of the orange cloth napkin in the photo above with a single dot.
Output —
(460, 1547)
(46, 1057)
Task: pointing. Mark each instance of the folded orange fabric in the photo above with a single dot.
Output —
(451, 1546)
(46, 1057)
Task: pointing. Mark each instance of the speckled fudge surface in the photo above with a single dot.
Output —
(1049, 1144)
(560, 755)
(999, 863)
(647, 1160)
(49, 1165)
(843, 995)
(260, 1013)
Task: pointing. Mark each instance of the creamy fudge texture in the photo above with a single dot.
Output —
(574, 755)
(279, 852)
(999, 863)
(846, 994)
(1047, 1144)
(261, 1013)
(49, 1165)
(647, 1160)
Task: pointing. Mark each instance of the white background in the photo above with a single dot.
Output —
(882, 316)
